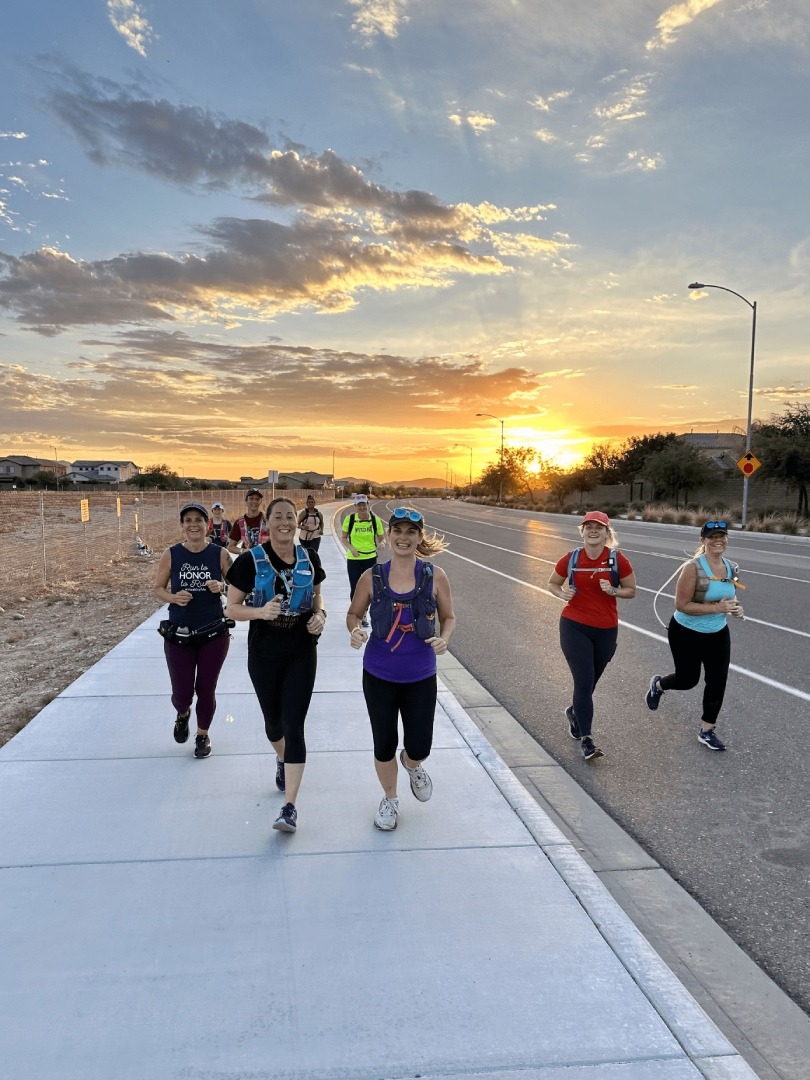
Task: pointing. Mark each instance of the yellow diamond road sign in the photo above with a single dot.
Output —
(748, 464)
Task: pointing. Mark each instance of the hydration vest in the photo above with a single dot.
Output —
(702, 583)
(264, 532)
(219, 533)
(299, 595)
(387, 606)
(612, 566)
(307, 515)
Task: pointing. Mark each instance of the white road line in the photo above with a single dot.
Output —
(792, 690)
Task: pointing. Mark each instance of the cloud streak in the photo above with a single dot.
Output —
(377, 17)
(129, 21)
(675, 18)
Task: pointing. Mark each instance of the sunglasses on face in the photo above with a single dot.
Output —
(412, 515)
(710, 525)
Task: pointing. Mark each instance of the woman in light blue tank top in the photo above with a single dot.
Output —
(698, 633)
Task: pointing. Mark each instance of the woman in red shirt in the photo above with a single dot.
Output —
(589, 623)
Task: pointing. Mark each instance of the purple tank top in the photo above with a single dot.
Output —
(403, 659)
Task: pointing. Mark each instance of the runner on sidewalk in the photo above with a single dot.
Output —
(282, 647)
(362, 533)
(310, 525)
(406, 595)
(189, 579)
(251, 528)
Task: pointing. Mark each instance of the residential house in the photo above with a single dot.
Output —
(110, 472)
(723, 449)
(20, 467)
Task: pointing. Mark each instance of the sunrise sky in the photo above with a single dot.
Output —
(240, 235)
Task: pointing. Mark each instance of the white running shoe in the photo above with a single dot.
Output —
(386, 816)
(421, 784)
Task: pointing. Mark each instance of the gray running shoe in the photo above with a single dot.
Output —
(421, 784)
(386, 816)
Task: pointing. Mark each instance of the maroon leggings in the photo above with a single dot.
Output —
(195, 669)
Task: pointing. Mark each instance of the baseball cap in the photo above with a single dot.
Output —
(598, 517)
(254, 491)
(217, 506)
(193, 506)
(714, 528)
(360, 499)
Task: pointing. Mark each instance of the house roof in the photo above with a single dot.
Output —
(92, 464)
(713, 440)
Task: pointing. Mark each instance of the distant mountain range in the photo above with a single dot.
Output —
(357, 482)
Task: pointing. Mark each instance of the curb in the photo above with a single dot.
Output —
(702, 1041)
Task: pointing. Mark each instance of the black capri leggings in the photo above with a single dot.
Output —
(588, 650)
(690, 650)
(414, 701)
(282, 667)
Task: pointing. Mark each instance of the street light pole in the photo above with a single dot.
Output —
(753, 305)
(500, 479)
(445, 474)
(471, 453)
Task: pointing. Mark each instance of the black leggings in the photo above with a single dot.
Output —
(414, 701)
(282, 666)
(356, 568)
(588, 650)
(690, 650)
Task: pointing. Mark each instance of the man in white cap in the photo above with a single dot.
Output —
(362, 533)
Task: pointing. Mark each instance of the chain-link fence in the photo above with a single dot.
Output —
(49, 537)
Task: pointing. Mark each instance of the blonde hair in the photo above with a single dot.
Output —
(612, 541)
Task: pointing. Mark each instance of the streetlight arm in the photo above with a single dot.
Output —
(699, 285)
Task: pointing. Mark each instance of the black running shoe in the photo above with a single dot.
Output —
(287, 820)
(202, 746)
(573, 726)
(708, 738)
(181, 727)
(281, 783)
(652, 699)
(589, 750)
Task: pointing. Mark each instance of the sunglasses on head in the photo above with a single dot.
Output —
(412, 515)
(709, 525)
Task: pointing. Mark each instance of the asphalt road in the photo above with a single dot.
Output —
(733, 828)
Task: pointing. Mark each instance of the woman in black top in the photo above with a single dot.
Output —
(282, 658)
(189, 579)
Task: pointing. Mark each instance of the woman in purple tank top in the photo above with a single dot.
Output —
(407, 596)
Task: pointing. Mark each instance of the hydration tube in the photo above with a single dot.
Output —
(655, 598)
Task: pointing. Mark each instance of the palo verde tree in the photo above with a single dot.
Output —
(783, 446)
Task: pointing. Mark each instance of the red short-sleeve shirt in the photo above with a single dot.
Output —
(590, 605)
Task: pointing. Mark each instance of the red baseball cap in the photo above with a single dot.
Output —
(598, 516)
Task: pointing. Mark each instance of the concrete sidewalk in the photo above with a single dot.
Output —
(155, 927)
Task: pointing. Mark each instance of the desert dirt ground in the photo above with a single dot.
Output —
(51, 637)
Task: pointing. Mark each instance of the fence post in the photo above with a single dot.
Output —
(42, 523)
